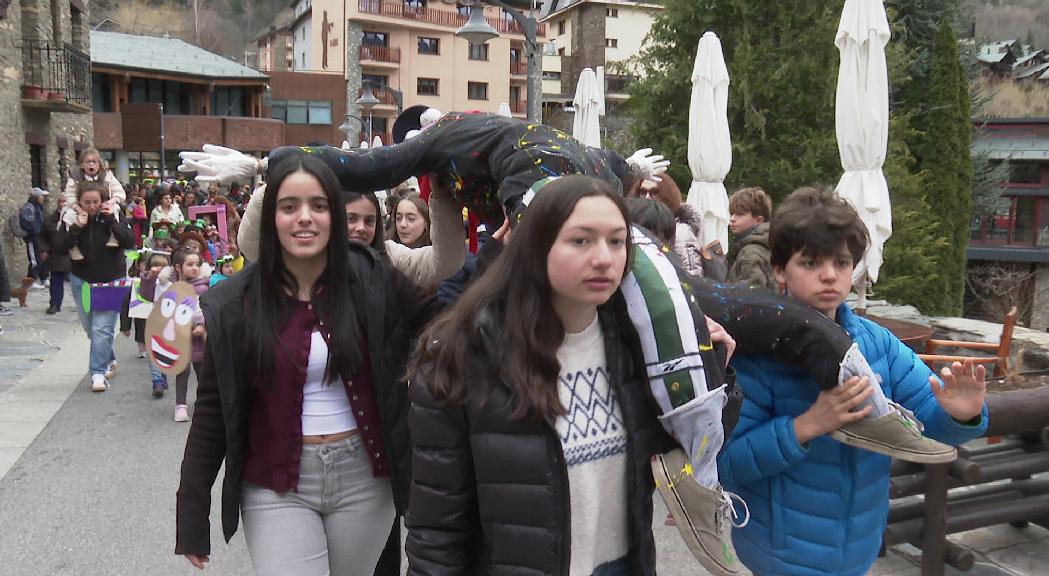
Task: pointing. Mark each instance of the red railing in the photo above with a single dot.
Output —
(381, 54)
(987, 235)
(518, 67)
(394, 9)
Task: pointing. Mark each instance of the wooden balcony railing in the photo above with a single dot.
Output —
(395, 9)
(52, 72)
(384, 94)
(519, 107)
(381, 54)
(519, 67)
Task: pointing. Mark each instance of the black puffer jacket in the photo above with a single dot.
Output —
(489, 494)
(393, 311)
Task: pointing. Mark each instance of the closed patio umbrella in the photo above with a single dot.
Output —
(861, 122)
(586, 126)
(709, 141)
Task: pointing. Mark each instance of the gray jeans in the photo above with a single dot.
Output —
(335, 524)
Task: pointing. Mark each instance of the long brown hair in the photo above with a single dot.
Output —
(516, 291)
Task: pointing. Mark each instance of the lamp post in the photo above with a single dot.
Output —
(367, 101)
(478, 31)
(346, 128)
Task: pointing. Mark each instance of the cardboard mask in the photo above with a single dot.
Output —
(169, 329)
(139, 306)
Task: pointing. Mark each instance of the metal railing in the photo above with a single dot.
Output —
(384, 94)
(1028, 237)
(381, 54)
(395, 9)
(57, 72)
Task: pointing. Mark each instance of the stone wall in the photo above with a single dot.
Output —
(354, 35)
(1040, 307)
(58, 134)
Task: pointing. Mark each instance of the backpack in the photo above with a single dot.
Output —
(15, 224)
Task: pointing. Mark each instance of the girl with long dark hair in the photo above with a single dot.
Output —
(532, 425)
(299, 394)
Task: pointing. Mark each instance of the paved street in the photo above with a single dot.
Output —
(87, 481)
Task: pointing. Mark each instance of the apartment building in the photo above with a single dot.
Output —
(587, 34)
(407, 49)
(45, 103)
(154, 96)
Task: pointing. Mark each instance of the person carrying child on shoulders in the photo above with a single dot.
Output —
(818, 504)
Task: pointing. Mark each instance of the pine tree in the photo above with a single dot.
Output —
(945, 159)
(783, 66)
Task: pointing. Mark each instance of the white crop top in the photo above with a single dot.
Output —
(325, 407)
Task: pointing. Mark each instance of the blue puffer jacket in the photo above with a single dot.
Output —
(820, 509)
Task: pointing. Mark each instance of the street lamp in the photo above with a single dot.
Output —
(347, 128)
(478, 31)
(366, 102)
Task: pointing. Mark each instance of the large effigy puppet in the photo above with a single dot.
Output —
(494, 165)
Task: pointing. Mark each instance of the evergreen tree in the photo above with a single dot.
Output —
(945, 159)
(783, 66)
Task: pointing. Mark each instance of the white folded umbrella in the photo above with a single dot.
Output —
(586, 126)
(709, 141)
(504, 110)
(861, 122)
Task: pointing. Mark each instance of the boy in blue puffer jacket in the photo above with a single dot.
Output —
(819, 506)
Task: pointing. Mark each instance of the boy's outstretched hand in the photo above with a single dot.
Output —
(963, 391)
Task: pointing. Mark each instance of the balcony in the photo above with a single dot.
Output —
(380, 54)
(519, 68)
(403, 11)
(55, 79)
(387, 98)
(519, 107)
(187, 132)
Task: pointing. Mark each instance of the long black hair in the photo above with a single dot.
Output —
(517, 290)
(330, 295)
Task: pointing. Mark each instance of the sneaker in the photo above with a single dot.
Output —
(141, 353)
(158, 390)
(703, 516)
(37, 286)
(47, 283)
(5, 311)
(897, 434)
(53, 309)
(181, 414)
(99, 383)
(113, 366)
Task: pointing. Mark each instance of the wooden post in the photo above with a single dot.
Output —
(934, 533)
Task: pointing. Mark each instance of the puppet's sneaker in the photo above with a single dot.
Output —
(897, 434)
(702, 515)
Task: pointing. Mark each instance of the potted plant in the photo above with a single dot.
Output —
(33, 92)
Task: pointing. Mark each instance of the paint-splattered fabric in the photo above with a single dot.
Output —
(487, 161)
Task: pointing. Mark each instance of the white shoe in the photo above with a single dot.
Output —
(112, 369)
(181, 413)
(99, 383)
(37, 286)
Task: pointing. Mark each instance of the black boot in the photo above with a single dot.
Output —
(53, 309)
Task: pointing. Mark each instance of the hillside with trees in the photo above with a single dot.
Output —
(220, 26)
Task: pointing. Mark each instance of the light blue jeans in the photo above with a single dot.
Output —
(336, 523)
(99, 327)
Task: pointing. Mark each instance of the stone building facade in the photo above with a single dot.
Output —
(45, 104)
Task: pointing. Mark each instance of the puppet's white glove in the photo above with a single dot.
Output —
(220, 164)
(647, 166)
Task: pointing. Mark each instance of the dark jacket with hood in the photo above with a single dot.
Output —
(392, 312)
(57, 260)
(749, 258)
(490, 494)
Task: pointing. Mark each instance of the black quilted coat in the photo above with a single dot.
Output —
(489, 495)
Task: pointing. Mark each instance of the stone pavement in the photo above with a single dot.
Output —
(87, 481)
